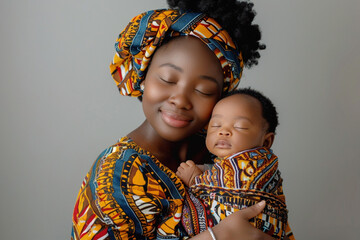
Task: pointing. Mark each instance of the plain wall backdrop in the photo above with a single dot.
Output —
(60, 108)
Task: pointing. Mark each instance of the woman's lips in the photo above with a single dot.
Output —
(174, 119)
(223, 144)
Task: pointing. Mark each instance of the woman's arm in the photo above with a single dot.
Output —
(237, 226)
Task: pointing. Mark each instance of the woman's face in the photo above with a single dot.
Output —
(182, 85)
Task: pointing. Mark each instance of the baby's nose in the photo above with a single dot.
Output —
(224, 132)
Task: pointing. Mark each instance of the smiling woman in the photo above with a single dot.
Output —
(132, 190)
(60, 107)
(174, 102)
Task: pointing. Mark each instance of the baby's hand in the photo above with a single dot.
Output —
(187, 171)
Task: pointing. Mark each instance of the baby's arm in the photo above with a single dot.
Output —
(187, 171)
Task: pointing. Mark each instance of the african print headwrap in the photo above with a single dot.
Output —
(147, 31)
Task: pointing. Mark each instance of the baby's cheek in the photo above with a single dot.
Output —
(209, 141)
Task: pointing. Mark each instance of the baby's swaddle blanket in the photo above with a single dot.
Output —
(237, 182)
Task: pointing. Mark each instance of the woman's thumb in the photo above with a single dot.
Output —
(253, 211)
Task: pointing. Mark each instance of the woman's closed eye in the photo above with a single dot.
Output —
(206, 88)
(168, 81)
(205, 93)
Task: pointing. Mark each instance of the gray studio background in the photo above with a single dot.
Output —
(60, 108)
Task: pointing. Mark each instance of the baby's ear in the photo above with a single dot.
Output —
(268, 139)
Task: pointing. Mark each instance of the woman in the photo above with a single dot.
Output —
(132, 192)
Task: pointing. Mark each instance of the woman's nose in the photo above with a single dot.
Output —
(181, 99)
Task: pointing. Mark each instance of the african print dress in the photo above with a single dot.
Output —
(128, 194)
(236, 182)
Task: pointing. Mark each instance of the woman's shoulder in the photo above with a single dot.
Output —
(127, 156)
(127, 166)
(125, 182)
(115, 157)
(123, 150)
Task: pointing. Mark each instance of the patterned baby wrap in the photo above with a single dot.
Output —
(237, 182)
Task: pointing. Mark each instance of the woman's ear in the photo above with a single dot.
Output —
(142, 85)
(268, 139)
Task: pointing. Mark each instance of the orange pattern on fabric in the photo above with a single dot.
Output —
(242, 180)
(137, 43)
(128, 194)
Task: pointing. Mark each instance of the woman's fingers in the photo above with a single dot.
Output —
(237, 226)
(253, 211)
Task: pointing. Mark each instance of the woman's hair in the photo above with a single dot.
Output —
(235, 17)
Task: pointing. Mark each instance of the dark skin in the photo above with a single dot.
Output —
(182, 85)
(173, 101)
(191, 148)
(236, 124)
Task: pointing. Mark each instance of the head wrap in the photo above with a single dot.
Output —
(146, 32)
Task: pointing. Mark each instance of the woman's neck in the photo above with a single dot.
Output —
(169, 153)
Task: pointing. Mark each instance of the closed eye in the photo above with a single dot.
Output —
(241, 128)
(204, 93)
(167, 81)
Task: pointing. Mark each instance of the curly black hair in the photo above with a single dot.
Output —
(234, 16)
(269, 112)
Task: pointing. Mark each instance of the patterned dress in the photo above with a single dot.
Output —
(128, 194)
(236, 182)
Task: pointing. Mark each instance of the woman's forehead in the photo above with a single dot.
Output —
(187, 53)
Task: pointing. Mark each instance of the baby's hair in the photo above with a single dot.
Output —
(235, 17)
(269, 112)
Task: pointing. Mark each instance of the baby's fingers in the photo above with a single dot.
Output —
(190, 163)
(183, 165)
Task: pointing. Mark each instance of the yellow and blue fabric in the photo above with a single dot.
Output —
(146, 32)
(237, 182)
(129, 194)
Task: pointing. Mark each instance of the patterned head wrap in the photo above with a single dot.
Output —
(147, 31)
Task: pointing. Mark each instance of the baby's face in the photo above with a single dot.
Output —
(236, 124)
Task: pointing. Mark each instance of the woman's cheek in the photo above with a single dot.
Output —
(154, 90)
(207, 108)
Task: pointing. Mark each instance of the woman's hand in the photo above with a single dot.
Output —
(237, 226)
